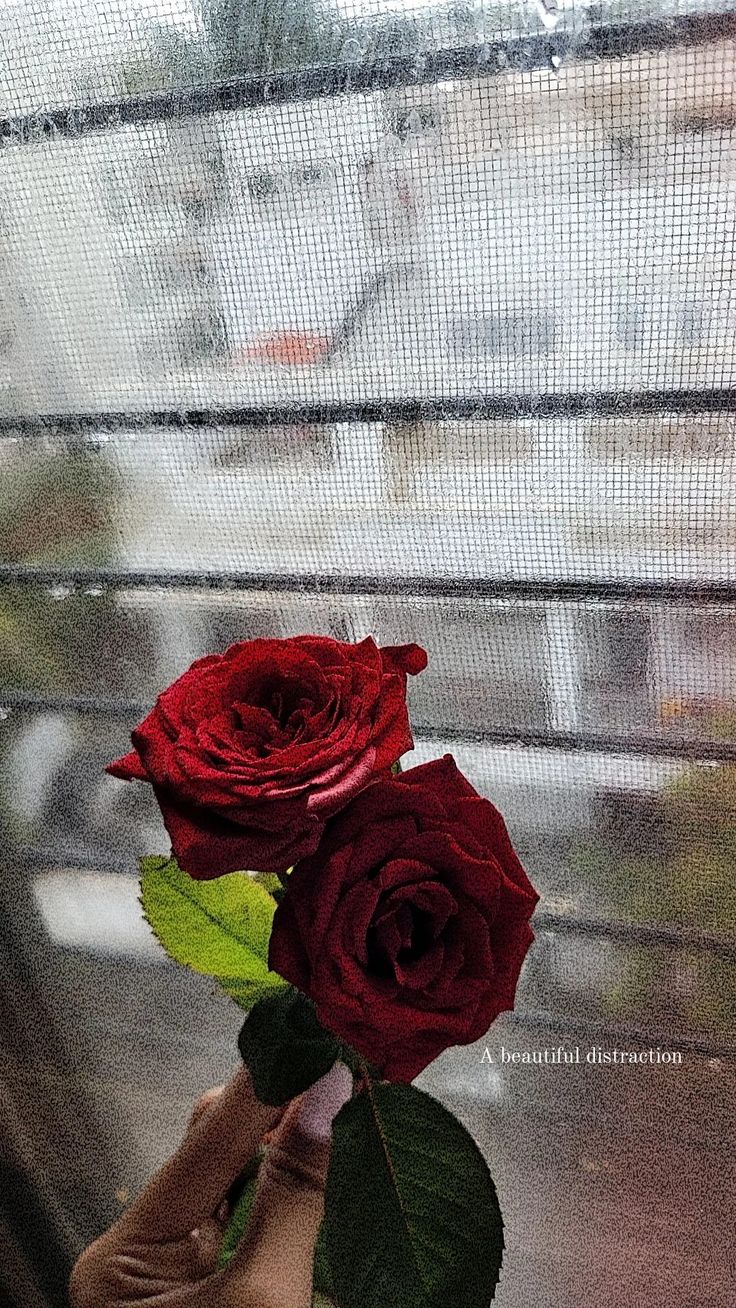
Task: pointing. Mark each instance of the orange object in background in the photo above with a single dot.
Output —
(672, 709)
(696, 708)
(287, 347)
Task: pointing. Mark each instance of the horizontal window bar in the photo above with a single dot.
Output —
(631, 933)
(64, 858)
(603, 404)
(56, 859)
(587, 742)
(493, 57)
(705, 594)
(612, 1036)
(29, 702)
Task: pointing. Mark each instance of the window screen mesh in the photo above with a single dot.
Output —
(415, 321)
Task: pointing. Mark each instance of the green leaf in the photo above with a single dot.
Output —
(268, 880)
(322, 1281)
(412, 1218)
(240, 1214)
(285, 1047)
(238, 1224)
(276, 886)
(220, 928)
(247, 993)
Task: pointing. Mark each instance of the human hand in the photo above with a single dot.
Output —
(163, 1251)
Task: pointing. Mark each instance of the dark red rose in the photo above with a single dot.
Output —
(250, 751)
(409, 924)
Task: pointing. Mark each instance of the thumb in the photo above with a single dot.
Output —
(273, 1263)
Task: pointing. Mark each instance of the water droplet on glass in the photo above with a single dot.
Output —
(549, 12)
(389, 145)
(352, 50)
(413, 125)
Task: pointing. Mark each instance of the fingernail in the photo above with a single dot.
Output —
(322, 1102)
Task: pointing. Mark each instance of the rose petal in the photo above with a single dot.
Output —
(414, 917)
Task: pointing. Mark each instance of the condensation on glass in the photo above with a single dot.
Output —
(424, 330)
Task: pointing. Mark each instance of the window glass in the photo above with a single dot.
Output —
(407, 320)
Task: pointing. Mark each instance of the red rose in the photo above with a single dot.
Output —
(409, 924)
(250, 751)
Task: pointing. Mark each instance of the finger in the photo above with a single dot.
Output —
(273, 1262)
(191, 1185)
(206, 1245)
(204, 1102)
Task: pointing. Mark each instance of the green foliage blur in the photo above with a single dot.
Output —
(687, 881)
(56, 509)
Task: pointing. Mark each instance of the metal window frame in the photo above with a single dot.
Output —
(518, 54)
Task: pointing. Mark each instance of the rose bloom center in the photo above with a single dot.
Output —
(405, 936)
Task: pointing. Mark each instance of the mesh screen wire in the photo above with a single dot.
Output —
(415, 321)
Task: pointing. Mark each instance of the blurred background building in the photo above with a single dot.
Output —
(447, 356)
